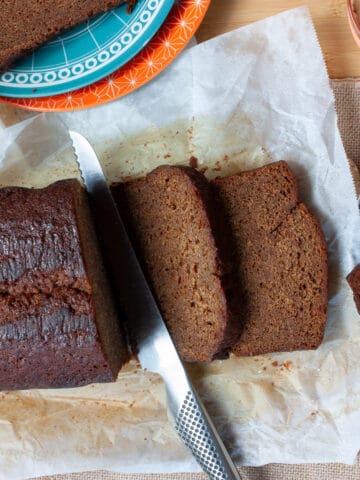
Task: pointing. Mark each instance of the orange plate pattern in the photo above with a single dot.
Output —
(177, 30)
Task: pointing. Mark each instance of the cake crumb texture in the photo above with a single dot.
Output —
(175, 224)
(282, 269)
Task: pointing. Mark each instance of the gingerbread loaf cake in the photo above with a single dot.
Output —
(58, 325)
(282, 261)
(27, 24)
(175, 226)
(354, 281)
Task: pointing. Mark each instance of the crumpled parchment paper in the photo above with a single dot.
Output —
(254, 95)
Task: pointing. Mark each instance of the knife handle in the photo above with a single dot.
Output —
(197, 431)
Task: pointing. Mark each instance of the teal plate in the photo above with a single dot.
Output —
(87, 53)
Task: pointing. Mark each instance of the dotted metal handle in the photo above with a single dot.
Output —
(198, 435)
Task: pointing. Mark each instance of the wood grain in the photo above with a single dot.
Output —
(341, 54)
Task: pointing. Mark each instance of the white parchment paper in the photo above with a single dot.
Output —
(254, 95)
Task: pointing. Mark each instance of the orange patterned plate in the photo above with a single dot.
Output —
(177, 30)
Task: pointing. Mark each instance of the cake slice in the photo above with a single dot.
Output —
(27, 24)
(175, 225)
(58, 324)
(354, 281)
(282, 261)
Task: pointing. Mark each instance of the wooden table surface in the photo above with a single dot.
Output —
(341, 53)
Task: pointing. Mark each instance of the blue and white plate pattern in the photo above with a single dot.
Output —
(87, 53)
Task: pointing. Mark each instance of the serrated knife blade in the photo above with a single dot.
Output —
(144, 322)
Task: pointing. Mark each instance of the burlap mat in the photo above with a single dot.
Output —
(269, 472)
(347, 93)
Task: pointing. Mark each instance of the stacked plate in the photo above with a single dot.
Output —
(104, 59)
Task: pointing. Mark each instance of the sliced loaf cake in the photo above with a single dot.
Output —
(175, 226)
(58, 323)
(354, 281)
(282, 261)
(27, 24)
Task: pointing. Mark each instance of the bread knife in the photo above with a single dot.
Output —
(144, 322)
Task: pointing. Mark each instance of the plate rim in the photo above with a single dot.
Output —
(182, 22)
(18, 91)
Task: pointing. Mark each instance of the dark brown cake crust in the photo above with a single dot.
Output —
(42, 225)
(46, 343)
(27, 24)
(51, 328)
(282, 256)
(353, 280)
(175, 225)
